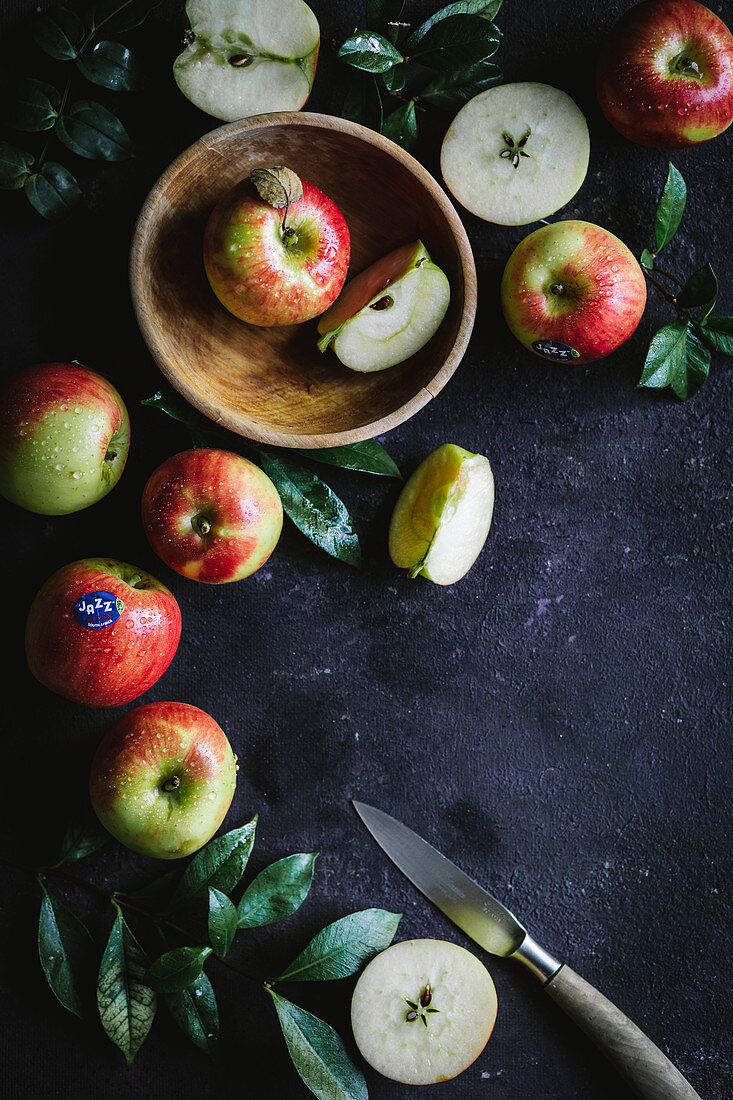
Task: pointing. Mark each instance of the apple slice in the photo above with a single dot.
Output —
(388, 312)
(516, 153)
(422, 1011)
(443, 515)
(248, 57)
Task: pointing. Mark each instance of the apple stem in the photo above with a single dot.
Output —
(667, 274)
(662, 290)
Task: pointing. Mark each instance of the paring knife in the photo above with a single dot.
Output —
(648, 1071)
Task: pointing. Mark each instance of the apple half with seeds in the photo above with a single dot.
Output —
(248, 57)
(442, 516)
(422, 1011)
(516, 153)
(388, 312)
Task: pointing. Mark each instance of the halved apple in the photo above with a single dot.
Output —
(422, 1011)
(248, 57)
(387, 312)
(443, 515)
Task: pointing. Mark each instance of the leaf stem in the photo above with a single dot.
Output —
(668, 274)
(662, 290)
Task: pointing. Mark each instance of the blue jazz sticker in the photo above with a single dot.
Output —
(553, 349)
(98, 609)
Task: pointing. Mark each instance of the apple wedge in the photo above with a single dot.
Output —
(387, 312)
(248, 57)
(422, 1011)
(516, 153)
(443, 514)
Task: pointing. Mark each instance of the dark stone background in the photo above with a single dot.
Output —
(555, 722)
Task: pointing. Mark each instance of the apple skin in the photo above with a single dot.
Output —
(103, 665)
(641, 82)
(163, 779)
(211, 515)
(259, 275)
(598, 297)
(64, 438)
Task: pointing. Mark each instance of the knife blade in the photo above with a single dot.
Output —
(490, 924)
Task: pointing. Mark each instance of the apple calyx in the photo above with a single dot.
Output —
(684, 65)
(515, 149)
(201, 525)
(171, 784)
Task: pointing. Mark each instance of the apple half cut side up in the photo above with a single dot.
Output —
(387, 312)
(244, 58)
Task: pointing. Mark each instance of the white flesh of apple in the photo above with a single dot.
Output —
(462, 992)
(280, 37)
(464, 524)
(557, 147)
(375, 339)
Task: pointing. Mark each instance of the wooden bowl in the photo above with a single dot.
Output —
(272, 384)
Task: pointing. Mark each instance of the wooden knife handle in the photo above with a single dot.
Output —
(649, 1072)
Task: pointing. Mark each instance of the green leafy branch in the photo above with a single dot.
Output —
(84, 126)
(442, 63)
(679, 354)
(203, 909)
(310, 503)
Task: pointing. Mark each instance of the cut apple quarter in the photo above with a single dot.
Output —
(443, 514)
(422, 1011)
(516, 153)
(248, 57)
(387, 312)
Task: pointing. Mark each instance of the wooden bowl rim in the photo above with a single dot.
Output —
(240, 424)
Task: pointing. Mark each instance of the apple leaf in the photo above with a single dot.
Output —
(670, 209)
(380, 13)
(341, 948)
(153, 893)
(59, 33)
(451, 90)
(318, 1054)
(196, 1012)
(222, 921)
(454, 42)
(176, 969)
(394, 79)
(117, 16)
(367, 457)
(487, 9)
(36, 106)
(369, 51)
(82, 840)
(221, 864)
(93, 132)
(63, 942)
(15, 167)
(110, 65)
(647, 259)
(401, 126)
(202, 431)
(126, 1003)
(54, 192)
(363, 103)
(277, 891)
(676, 358)
(700, 290)
(717, 332)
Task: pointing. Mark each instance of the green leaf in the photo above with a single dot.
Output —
(380, 13)
(701, 289)
(367, 457)
(58, 32)
(401, 126)
(394, 79)
(487, 9)
(670, 209)
(341, 948)
(363, 103)
(125, 1001)
(647, 260)
(451, 90)
(313, 507)
(15, 166)
(369, 51)
(81, 840)
(220, 864)
(318, 1054)
(155, 893)
(177, 969)
(676, 358)
(717, 332)
(196, 1012)
(35, 106)
(454, 42)
(277, 891)
(91, 131)
(110, 65)
(54, 192)
(117, 16)
(63, 942)
(202, 431)
(222, 921)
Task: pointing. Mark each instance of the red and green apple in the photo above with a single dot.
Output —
(101, 632)
(163, 779)
(211, 515)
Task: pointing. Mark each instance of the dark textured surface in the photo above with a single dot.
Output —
(556, 722)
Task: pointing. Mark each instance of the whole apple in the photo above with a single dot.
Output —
(64, 438)
(101, 632)
(278, 260)
(211, 515)
(572, 292)
(665, 74)
(163, 779)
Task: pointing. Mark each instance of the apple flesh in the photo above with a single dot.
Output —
(64, 438)
(665, 74)
(163, 779)
(211, 515)
(422, 1011)
(572, 292)
(516, 153)
(248, 57)
(443, 515)
(388, 312)
(270, 265)
(101, 632)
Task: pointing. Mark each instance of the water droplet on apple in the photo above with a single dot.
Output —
(77, 475)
